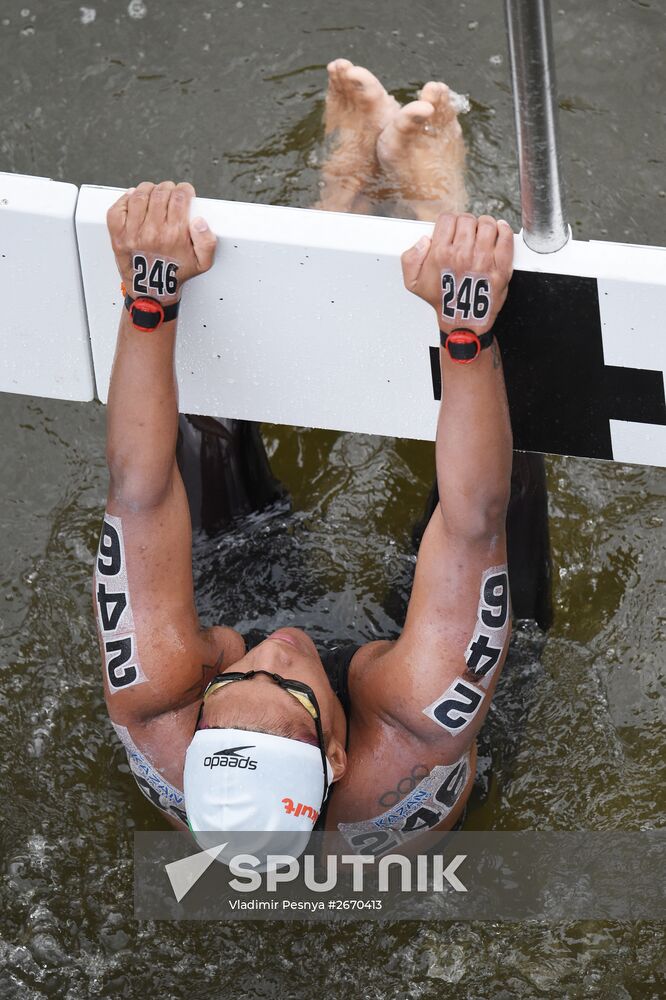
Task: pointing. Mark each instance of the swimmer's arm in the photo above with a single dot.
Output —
(147, 494)
(168, 646)
(170, 656)
(147, 500)
(457, 553)
(465, 537)
(142, 415)
(474, 448)
(474, 442)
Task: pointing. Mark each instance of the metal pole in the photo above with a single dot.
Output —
(535, 103)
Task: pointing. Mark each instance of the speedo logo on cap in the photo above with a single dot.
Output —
(231, 757)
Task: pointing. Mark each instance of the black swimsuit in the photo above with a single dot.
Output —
(336, 664)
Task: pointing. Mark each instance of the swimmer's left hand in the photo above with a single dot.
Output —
(154, 220)
(461, 245)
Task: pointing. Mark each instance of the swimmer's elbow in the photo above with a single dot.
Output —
(477, 519)
(138, 489)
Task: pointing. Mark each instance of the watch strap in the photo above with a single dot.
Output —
(154, 313)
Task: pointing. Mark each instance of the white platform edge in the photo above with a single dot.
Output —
(44, 338)
(259, 338)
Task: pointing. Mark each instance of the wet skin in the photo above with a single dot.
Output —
(261, 704)
(411, 158)
(388, 737)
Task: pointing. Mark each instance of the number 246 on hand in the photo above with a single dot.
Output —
(469, 300)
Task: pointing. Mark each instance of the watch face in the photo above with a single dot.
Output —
(146, 314)
(463, 346)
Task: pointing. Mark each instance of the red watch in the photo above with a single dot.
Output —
(463, 345)
(148, 314)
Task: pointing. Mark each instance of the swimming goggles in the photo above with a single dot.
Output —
(303, 694)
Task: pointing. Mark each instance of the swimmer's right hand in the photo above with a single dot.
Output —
(461, 245)
(153, 220)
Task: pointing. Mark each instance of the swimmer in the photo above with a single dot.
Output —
(376, 741)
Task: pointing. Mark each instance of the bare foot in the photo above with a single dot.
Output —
(358, 109)
(423, 154)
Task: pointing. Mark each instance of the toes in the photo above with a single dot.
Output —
(413, 117)
(439, 95)
(335, 70)
(364, 84)
(433, 92)
(336, 64)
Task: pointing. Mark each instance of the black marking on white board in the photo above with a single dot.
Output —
(561, 394)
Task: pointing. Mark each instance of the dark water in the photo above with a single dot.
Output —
(230, 96)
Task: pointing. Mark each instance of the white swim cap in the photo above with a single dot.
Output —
(237, 780)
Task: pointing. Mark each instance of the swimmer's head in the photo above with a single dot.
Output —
(281, 734)
(260, 704)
